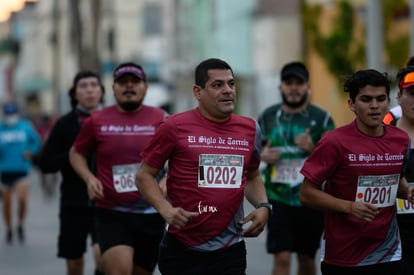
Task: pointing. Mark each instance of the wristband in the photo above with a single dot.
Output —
(267, 205)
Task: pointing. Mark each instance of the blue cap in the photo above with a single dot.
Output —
(9, 108)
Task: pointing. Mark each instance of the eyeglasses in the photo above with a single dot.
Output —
(407, 81)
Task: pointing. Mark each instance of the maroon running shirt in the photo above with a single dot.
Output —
(358, 167)
(207, 166)
(118, 138)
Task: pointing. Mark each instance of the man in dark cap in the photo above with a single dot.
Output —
(129, 229)
(290, 130)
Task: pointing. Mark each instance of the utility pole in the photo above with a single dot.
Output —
(375, 39)
(411, 27)
(57, 33)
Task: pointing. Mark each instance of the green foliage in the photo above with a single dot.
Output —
(340, 49)
(397, 48)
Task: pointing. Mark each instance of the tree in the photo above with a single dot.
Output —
(85, 28)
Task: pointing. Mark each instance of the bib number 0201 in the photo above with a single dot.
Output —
(380, 196)
(380, 191)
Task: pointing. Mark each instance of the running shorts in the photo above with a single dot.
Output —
(143, 232)
(8, 179)
(294, 229)
(76, 224)
(177, 259)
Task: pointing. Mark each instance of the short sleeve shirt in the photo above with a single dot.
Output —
(207, 167)
(358, 167)
(118, 138)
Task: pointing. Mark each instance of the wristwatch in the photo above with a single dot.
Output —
(267, 205)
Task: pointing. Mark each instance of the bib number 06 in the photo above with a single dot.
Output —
(123, 177)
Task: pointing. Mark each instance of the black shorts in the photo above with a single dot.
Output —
(76, 224)
(8, 179)
(406, 227)
(294, 229)
(177, 259)
(390, 268)
(143, 232)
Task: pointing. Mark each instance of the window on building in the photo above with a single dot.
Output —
(152, 19)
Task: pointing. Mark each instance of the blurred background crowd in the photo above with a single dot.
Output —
(44, 43)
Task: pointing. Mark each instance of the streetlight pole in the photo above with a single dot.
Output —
(411, 27)
(375, 40)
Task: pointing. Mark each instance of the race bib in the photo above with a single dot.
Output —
(380, 191)
(404, 206)
(287, 171)
(220, 171)
(124, 177)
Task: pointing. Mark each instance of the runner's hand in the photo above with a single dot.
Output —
(95, 189)
(258, 219)
(304, 141)
(178, 217)
(410, 194)
(27, 155)
(269, 155)
(364, 211)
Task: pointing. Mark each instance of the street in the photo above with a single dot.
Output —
(38, 255)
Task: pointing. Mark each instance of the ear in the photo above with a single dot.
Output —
(197, 91)
(399, 94)
(146, 88)
(351, 105)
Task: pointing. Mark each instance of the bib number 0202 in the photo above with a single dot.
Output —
(220, 171)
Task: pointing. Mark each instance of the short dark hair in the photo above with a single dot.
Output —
(362, 78)
(80, 75)
(201, 71)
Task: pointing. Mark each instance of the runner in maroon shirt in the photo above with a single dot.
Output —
(359, 167)
(129, 229)
(213, 158)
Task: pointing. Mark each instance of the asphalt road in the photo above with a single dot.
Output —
(37, 256)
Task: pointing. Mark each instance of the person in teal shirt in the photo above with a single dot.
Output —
(290, 131)
(19, 141)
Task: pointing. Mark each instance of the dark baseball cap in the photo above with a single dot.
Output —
(131, 69)
(295, 69)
